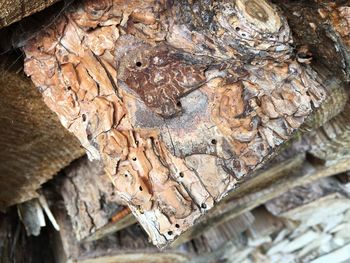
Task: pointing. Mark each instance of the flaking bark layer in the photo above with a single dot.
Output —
(180, 100)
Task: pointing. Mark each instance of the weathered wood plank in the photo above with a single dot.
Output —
(14, 10)
(300, 202)
(33, 144)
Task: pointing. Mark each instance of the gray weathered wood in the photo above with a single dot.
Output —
(14, 10)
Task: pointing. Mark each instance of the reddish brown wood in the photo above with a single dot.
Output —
(179, 109)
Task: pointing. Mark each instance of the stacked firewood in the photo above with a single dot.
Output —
(215, 131)
(308, 223)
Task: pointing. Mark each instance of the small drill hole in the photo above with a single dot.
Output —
(134, 159)
(213, 141)
(84, 117)
(181, 174)
(138, 64)
(177, 225)
(140, 188)
(69, 88)
(170, 233)
(89, 137)
(126, 175)
(204, 206)
(178, 104)
(237, 28)
(304, 55)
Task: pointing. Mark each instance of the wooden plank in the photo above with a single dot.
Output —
(14, 10)
(296, 201)
(33, 144)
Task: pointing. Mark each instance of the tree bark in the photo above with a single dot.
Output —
(178, 105)
(91, 202)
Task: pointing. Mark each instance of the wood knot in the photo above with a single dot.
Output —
(256, 10)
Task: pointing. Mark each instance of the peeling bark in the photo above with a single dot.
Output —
(89, 198)
(254, 194)
(178, 104)
(330, 142)
(131, 244)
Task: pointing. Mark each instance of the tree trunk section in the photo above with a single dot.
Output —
(176, 120)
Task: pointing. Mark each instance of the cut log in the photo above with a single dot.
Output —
(178, 109)
(132, 245)
(90, 199)
(300, 202)
(215, 124)
(33, 144)
(331, 141)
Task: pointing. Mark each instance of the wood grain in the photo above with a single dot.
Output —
(33, 144)
(14, 10)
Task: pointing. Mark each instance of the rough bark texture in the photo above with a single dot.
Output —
(183, 101)
(33, 145)
(179, 100)
(255, 195)
(330, 142)
(298, 226)
(132, 245)
(89, 198)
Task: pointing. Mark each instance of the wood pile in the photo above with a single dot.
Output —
(215, 131)
(308, 223)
